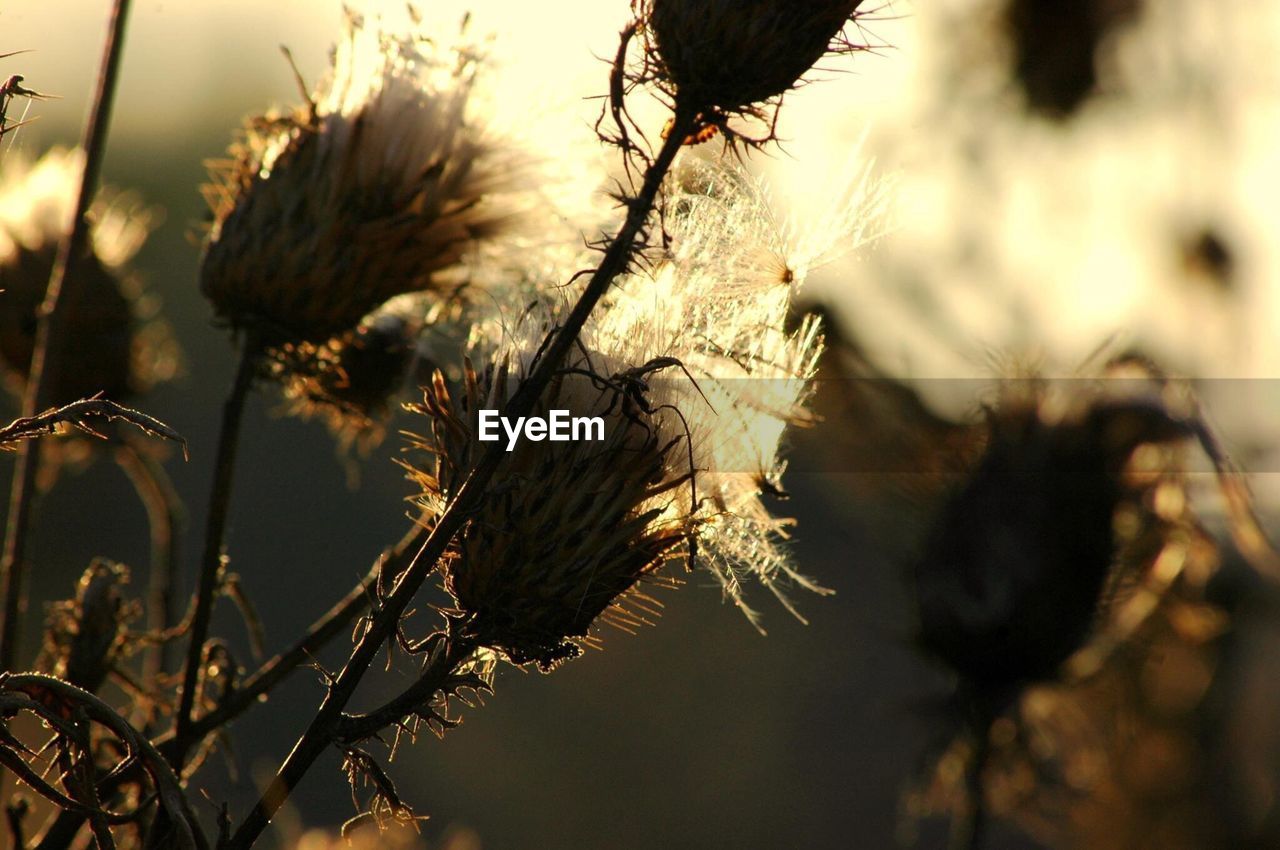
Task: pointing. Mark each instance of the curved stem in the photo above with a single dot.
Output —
(65, 825)
(51, 699)
(214, 534)
(47, 353)
(165, 516)
(327, 720)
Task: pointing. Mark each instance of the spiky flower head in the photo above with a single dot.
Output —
(120, 346)
(377, 186)
(575, 525)
(695, 375)
(729, 56)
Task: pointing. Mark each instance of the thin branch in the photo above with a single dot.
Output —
(15, 813)
(215, 532)
(63, 828)
(12, 87)
(337, 620)
(165, 518)
(327, 720)
(54, 700)
(969, 825)
(46, 355)
(77, 414)
(439, 674)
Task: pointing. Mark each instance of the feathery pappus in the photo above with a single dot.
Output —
(692, 366)
(378, 185)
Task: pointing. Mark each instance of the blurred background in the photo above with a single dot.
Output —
(1065, 176)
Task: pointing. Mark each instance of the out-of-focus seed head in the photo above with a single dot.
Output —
(118, 345)
(378, 186)
(726, 56)
(350, 381)
(1055, 49)
(1140, 731)
(98, 312)
(573, 527)
(1010, 580)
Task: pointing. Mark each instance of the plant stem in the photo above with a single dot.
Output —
(333, 623)
(214, 534)
(969, 827)
(47, 354)
(65, 825)
(320, 732)
(357, 727)
(165, 515)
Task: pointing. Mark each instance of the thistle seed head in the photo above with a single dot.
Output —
(1056, 49)
(120, 347)
(697, 376)
(719, 303)
(728, 56)
(1012, 577)
(377, 186)
(1129, 736)
(573, 527)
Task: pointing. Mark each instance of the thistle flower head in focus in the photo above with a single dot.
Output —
(719, 58)
(721, 304)
(697, 376)
(377, 186)
(573, 527)
(121, 346)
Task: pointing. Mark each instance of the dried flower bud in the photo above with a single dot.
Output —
(378, 186)
(731, 55)
(573, 526)
(118, 347)
(83, 634)
(350, 381)
(1010, 580)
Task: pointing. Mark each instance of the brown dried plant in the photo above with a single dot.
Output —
(1068, 585)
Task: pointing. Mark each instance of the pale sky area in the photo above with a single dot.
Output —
(181, 55)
